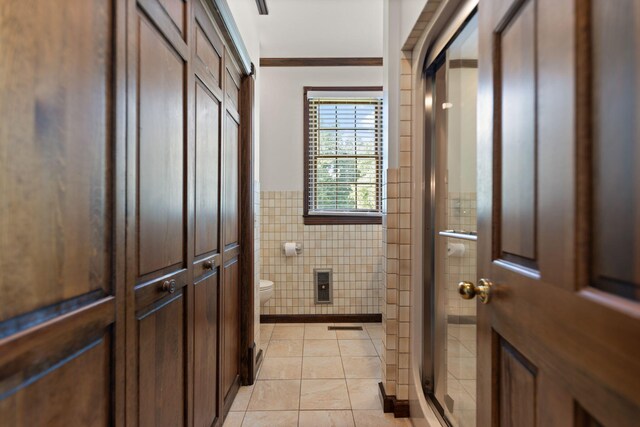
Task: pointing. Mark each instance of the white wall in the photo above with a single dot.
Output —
(310, 28)
(245, 14)
(281, 131)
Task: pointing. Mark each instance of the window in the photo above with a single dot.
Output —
(343, 155)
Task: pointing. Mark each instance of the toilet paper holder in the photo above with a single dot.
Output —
(298, 248)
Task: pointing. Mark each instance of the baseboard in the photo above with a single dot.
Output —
(321, 318)
(399, 408)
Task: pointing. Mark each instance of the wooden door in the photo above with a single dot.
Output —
(207, 60)
(230, 308)
(559, 213)
(61, 211)
(159, 312)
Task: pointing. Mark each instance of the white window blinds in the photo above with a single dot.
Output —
(345, 156)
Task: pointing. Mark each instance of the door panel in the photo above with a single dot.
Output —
(161, 364)
(159, 316)
(571, 357)
(59, 346)
(517, 62)
(161, 147)
(55, 176)
(76, 391)
(176, 10)
(616, 101)
(207, 171)
(206, 353)
(517, 388)
(231, 184)
(231, 327)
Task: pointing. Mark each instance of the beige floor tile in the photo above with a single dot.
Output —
(281, 368)
(378, 345)
(463, 368)
(378, 419)
(318, 332)
(326, 419)
(361, 367)
(357, 348)
(271, 419)
(234, 419)
(322, 367)
(353, 335)
(265, 330)
(374, 330)
(285, 348)
(315, 348)
(324, 394)
(470, 387)
(241, 401)
(275, 395)
(363, 393)
(287, 332)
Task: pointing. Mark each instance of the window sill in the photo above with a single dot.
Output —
(341, 219)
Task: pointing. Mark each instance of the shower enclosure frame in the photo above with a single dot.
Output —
(432, 326)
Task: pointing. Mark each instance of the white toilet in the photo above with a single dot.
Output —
(266, 291)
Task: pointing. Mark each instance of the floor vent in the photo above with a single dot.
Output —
(345, 328)
(323, 281)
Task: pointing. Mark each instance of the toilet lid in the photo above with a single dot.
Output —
(264, 284)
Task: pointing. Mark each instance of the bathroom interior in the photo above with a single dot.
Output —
(345, 366)
(310, 213)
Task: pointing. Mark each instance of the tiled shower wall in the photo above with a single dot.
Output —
(354, 252)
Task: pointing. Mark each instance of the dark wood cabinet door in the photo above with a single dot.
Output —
(158, 269)
(59, 90)
(206, 350)
(558, 213)
(230, 300)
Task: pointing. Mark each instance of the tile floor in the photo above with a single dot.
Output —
(461, 375)
(314, 377)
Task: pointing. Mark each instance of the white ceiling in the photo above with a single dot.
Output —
(321, 28)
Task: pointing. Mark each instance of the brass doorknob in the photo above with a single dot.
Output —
(468, 290)
(208, 264)
(169, 286)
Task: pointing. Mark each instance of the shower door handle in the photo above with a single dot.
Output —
(468, 290)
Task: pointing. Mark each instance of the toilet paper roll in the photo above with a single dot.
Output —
(455, 250)
(290, 249)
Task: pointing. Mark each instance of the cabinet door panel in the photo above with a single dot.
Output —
(54, 139)
(74, 391)
(161, 364)
(206, 351)
(207, 171)
(231, 184)
(58, 359)
(161, 146)
(231, 326)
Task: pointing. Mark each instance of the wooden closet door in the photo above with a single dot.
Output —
(207, 58)
(158, 335)
(559, 198)
(60, 212)
(230, 224)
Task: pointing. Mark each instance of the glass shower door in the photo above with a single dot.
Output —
(455, 225)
